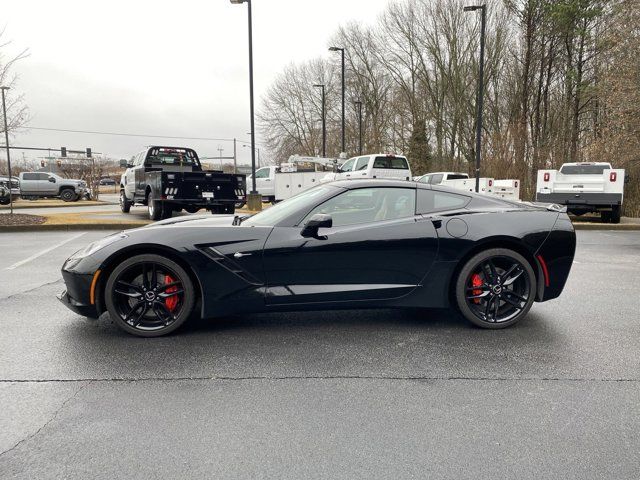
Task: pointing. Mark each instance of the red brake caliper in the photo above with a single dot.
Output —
(170, 302)
(476, 281)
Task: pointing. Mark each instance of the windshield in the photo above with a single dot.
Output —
(584, 169)
(272, 215)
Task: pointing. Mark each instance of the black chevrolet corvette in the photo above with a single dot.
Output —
(346, 244)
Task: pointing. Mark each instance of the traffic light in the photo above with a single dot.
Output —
(63, 151)
(88, 152)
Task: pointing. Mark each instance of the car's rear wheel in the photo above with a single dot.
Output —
(149, 295)
(154, 207)
(495, 288)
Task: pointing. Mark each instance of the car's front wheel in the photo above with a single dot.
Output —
(149, 295)
(495, 288)
(125, 204)
(68, 195)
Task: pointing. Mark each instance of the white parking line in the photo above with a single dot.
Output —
(43, 252)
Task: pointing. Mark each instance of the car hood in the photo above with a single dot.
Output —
(193, 221)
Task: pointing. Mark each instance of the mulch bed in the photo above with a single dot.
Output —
(7, 219)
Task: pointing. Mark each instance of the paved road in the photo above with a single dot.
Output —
(311, 395)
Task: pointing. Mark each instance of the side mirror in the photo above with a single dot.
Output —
(52, 180)
(124, 163)
(317, 221)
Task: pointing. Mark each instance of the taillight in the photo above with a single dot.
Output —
(613, 176)
(515, 184)
(546, 176)
(490, 183)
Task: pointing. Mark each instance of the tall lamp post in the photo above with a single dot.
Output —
(257, 150)
(254, 199)
(324, 122)
(341, 50)
(6, 143)
(359, 105)
(480, 94)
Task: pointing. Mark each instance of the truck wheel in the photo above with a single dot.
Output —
(154, 207)
(605, 216)
(125, 204)
(68, 195)
(615, 214)
(191, 209)
(167, 211)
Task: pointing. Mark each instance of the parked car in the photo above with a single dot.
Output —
(584, 187)
(107, 182)
(168, 179)
(12, 188)
(35, 185)
(378, 165)
(5, 194)
(346, 244)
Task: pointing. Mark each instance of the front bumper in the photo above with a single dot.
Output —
(81, 309)
(77, 296)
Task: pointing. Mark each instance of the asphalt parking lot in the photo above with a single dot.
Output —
(364, 394)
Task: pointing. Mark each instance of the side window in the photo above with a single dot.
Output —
(346, 166)
(30, 176)
(434, 201)
(43, 176)
(362, 163)
(262, 173)
(425, 179)
(365, 205)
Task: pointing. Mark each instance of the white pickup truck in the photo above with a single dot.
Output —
(377, 165)
(508, 189)
(276, 183)
(584, 187)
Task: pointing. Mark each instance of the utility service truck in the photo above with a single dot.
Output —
(507, 189)
(584, 188)
(170, 179)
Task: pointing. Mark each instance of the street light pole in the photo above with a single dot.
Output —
(341, 50)
(6, 143)
(254, 200)
(324, 123)
(480, 94)
(359, 104)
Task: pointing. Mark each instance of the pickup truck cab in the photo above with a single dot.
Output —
(43, 184)
(584, 187)
(169, 179)
(377, 165)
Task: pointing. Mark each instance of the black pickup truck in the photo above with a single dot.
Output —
(170, 179)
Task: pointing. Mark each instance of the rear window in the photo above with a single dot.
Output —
(457, 176)
(171, 156)
(398, 163)
(583, 169)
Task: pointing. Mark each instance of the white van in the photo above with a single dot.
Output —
(377, 165)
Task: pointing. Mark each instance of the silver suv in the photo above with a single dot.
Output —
(42, 184)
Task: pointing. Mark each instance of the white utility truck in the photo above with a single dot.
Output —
(377, 165)
(508, 189)
(584, 187)
(276, 183)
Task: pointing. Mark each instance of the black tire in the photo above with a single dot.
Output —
(68, 195)
(131, 290)
(615, 214)
(506, 302)
(154, 207)
(167, 211)
(191, 209)
(605, 216)
(5, 201)
(125, 204)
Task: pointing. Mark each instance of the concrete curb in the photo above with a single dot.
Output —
(43, 227)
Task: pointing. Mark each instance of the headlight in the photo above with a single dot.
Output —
(95, 246)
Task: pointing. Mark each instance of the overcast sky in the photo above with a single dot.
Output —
(158, 67)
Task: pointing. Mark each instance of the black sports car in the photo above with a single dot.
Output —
(346, 244)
